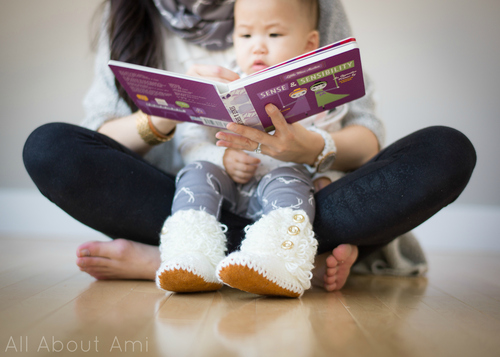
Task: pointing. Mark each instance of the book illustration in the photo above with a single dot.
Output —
(298, 93)
(299, 105)
(161, 101)
(323, 97)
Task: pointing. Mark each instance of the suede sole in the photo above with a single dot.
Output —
(244, 278)
(183, 281)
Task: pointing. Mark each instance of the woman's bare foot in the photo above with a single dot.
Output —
(118, 259)
(332, 269)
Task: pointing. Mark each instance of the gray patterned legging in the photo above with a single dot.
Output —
(205, 186)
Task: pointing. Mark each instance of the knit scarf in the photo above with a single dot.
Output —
(208, 23)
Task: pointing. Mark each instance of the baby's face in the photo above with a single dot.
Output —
(318, 86)
(299, 92)
(268, 32)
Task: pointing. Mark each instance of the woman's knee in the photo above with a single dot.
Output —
(447, 157)
(450, 149)
(48, 150)
(40, 146)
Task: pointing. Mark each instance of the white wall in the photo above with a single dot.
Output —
(436, 62)
(433, 62)
(45, 69)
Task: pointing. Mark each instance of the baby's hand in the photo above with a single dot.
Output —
(239, 165)
(212, 72)
(321, 182)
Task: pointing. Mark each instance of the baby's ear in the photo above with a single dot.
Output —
(312, 41)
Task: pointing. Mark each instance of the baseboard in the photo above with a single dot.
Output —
(461, 227)
(458, 227)
(25, 212)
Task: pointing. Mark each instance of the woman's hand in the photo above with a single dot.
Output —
(239, 165)
(290, 142)
(212, 72)
(355, 144)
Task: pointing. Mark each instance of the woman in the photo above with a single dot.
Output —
(108, 176)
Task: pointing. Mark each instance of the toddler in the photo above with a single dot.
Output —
(276, 257)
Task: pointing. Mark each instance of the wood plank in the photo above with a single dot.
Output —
(48, 275)
(230, 309)
(479, 332)
(424, 330)
(175, 328)
(387, 331)
(333, 328)
(475, 284)
(30, 311)
(81, 314)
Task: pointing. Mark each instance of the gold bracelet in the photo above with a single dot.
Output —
(148, 131)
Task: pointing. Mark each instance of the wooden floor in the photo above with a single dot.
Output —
(48, 307)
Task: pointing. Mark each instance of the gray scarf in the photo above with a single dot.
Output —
(208, 23)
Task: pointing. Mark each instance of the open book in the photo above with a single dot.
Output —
(300, 87)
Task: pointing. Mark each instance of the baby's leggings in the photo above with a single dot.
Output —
(205, 186)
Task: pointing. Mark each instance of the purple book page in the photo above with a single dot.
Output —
(310, 89)
(166, 96)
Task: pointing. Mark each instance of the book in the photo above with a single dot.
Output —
(300, 87)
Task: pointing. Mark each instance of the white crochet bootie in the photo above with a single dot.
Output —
(276, 257)
(192, 244)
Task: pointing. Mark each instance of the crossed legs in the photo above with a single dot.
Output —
(100, 183)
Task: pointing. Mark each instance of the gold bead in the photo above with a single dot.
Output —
(287, 245)
(293, 230)
(298, 218)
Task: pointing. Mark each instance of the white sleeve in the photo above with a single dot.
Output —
(362, 112)
(102, 101)
(334, 26)
(197, 143)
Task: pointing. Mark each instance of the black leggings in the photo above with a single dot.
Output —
(113, 190)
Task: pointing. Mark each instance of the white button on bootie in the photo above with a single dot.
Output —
(276, 257)
(192, 243)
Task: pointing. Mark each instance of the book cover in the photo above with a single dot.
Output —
(300, 87)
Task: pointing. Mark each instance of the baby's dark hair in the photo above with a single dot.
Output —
(311, 8)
